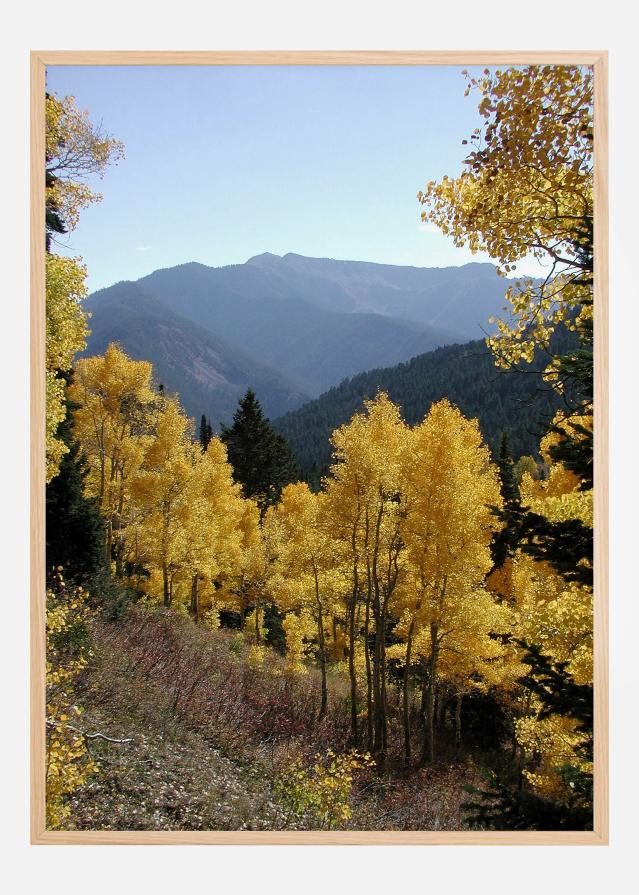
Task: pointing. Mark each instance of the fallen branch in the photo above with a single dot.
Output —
(90, 736)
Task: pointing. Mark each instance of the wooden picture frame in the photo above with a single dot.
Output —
(39, 61)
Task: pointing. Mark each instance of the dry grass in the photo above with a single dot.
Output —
(210, 736)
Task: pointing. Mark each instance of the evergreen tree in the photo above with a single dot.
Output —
(262, 461)
(206, 432)
(53, 220)
(275, 636)
(575, 371)
(74, 526)
(565, 545)
(502, 806)
(505, 541)
(568, 544)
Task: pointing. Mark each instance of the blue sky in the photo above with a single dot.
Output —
(223, 163)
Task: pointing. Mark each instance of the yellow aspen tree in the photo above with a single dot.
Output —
(471, 658)
(561, 495)
(299, 628)
(115, 406)
(365, 510)
(303, 579)
(214, 511)
(66, 331)
(450, 486)
(557, 616)
(248, 592)
(68, 761)
(161, 494)
(74, 149)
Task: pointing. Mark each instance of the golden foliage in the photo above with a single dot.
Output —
(322, 792)
(398, 540)
(66, 331)
(527, 191)
(75, 150)
(68, 763)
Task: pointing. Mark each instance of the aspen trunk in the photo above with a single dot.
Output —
(351, 671)
(406, 695)
(352, 609)
(383, 721)
(165, 586)
(458, 724)
(108, 546)
(377, 709)
(119, 540)
(428, 750)
(424, 699)
(440, 706)
(378, 656)
(195, 598)
(322, 646)
(369, 677)
(119, 564)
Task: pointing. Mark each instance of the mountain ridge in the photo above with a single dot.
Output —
(295, 325)
(211, 376)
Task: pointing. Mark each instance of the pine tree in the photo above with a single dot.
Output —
(261, 459)
(206, 432)
(500, 805)
(275, 636)
(567, 545)
(53, 220)
(74, 526)
(505, 541)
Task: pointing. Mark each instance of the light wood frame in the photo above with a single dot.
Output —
(39, 61)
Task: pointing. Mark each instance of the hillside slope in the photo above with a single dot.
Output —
(286, 327)
(518, 403)
(458, 299)
(193, 736)
(209, 375)
(289, 327)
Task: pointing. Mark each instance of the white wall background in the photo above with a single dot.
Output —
(331, 24)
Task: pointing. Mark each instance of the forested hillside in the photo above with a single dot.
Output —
(519, 403)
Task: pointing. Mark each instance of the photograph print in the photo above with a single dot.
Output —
(319, 447)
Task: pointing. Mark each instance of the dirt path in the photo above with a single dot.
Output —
(170, 781)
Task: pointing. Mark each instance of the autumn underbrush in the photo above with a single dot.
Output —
(194, 731)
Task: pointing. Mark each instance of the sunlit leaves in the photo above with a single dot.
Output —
(76, 150)
(66, 330)
(526, 191)
(68, 762)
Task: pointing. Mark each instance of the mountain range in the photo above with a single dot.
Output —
(288, 327)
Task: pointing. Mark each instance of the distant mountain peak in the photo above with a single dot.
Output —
(290, 326)
(265, 258)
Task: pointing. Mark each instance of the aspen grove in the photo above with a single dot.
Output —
(384, 573)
